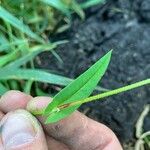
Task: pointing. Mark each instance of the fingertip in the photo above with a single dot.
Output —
(107, 138)
(37, 105)
(113, 144)
(13, 100)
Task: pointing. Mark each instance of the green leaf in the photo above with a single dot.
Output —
(59, 5)
(27, 86)
(107, 94)
(3, 89)
(33, 52)
(14, 85)
(3, 41)
(21, 61)
(90, 3)
(8, 17)
(8, 58)
(33, 75)
(4, 46)
(40, 92)
(76, 7)
(80, 88)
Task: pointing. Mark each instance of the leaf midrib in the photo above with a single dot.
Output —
(87, 81)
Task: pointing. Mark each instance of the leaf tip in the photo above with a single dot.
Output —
(110, 51)
(109, 54)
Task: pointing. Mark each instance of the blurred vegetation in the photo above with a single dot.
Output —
(24, 30)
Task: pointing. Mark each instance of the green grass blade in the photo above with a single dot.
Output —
(28, 86)
(59, 5)
(39, 92)
(3, 89)
(8, 17)
(80, 88)
(63, 110)
(8, 58)
(90, 3)
(57, 56)
(14, 85)
(4, 46)
(110, 93)
(3, 41)
(76, 8)
(33, 52)
(34, 75)
(21, 61)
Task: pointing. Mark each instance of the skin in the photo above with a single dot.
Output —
(22, 131)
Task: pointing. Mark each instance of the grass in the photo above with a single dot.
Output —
(24, 30)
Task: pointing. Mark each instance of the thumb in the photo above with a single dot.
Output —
(21, 131)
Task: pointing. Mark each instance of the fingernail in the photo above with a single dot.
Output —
(38, 104)
(17, 130)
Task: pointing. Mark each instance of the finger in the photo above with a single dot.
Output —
(55, 145)
(77, 131)
(21, 131)
(13, 100)
(52, 143)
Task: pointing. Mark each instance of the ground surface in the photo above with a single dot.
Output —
(123, 25)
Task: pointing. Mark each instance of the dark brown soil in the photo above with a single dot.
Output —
(122, 25)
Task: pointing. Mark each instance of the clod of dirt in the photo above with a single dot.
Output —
(143, 7)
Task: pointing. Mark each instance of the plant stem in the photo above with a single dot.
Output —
(107, 94)
(8, 58)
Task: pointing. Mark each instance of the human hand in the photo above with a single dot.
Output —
(21, 131)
